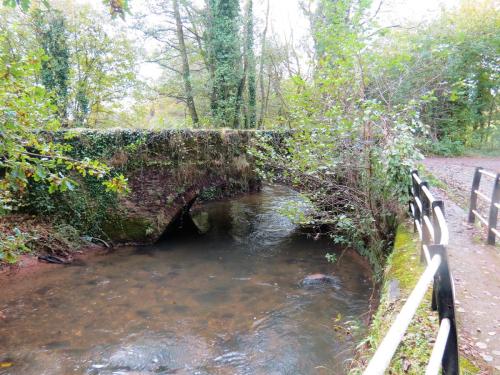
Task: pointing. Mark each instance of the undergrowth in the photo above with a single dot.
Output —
(13, 245)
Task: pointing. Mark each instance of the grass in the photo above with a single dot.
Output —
(483, 152)
(403, 268)
(430, 178)
(438, 183)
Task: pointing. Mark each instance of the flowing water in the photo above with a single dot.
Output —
(229, 301)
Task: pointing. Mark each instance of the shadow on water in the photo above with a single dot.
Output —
(228, 301)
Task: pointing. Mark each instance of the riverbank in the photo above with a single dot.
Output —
(29, 264)
(23, 237)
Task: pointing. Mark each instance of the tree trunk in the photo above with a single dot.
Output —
(239, 98)
(224, 54)
(186, 73)
(261, 70)
(250, 58)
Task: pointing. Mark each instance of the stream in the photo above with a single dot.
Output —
(229, 301)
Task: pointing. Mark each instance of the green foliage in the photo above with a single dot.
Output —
(87, 70)
(52, 35)
(13, 245)
(454, 61)
(85, 208)
(103, 71)
(116, 7)
(331, 257)
(24, 4)
(224, 59)
(348, 153)
(444, 147)
(28, 155)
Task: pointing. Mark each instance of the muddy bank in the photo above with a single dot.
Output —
(30, 264)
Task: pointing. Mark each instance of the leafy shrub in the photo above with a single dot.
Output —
(445, 147)
(13, 245)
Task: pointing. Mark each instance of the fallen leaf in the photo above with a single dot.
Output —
(406, 365)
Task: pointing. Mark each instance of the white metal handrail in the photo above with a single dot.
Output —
(437, 352)
(382, 358)
(484, 196)
(487, 173)
(432, 228)
(445, 234)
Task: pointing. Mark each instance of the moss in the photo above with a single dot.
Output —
(467, 367)
(129, 229)
(403, 268)
(403, 264)
(433, 180)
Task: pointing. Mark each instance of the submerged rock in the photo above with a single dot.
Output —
(318, 279)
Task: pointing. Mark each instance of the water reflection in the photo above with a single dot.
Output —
(227, 302)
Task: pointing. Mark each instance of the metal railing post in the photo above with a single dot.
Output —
(413, 182)
(473, 195)
(492, 221)
(444, 297)
(413, 192)
(437, 240)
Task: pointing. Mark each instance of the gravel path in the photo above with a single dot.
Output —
(475, 265)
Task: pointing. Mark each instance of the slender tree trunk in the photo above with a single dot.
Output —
(239, 97)
(261, 69)
(186, 73)
(250, 58)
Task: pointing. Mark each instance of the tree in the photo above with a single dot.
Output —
(116, 7)
(175, 29)
(27, 154)
(453, 62)
(52, 35)
(251, 70)
(186, 73)
(103, 69)
(261, 67)
(224, 57)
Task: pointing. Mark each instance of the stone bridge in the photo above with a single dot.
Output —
(167, 170)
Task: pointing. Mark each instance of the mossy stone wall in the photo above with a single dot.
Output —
(165, 171)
